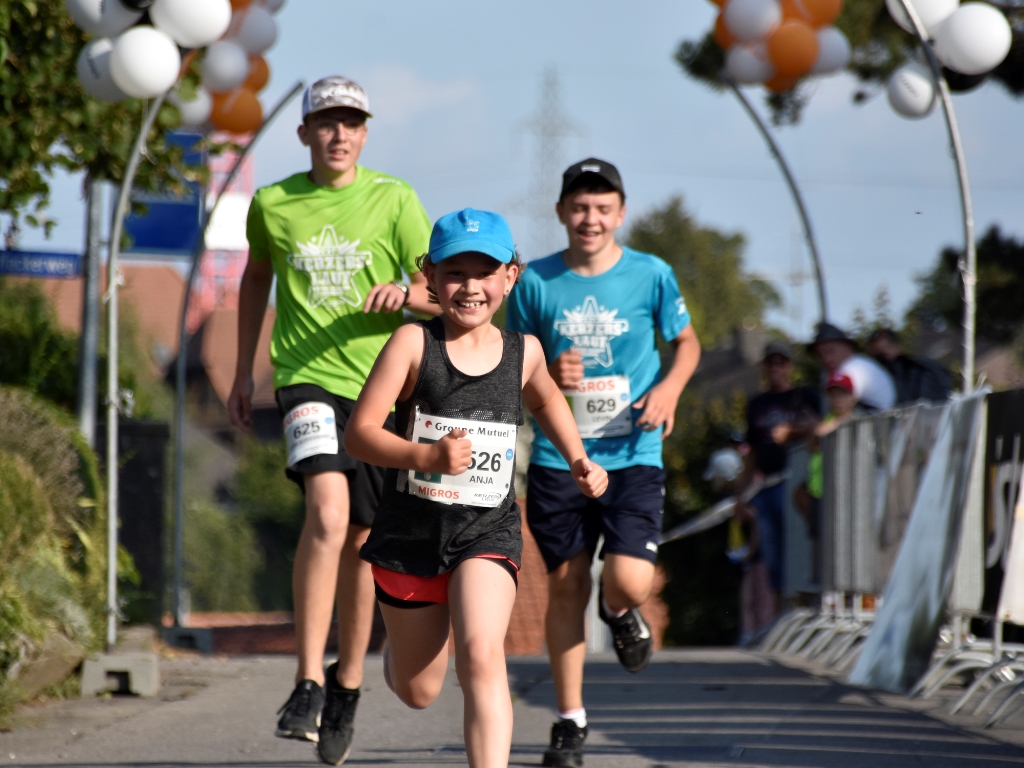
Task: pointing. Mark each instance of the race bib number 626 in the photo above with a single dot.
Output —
(310, 430)
(487, 481)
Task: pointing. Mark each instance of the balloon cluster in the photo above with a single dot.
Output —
(777, 42)
(969, 40)
(137, 52)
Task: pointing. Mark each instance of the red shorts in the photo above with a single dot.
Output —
(403, 590)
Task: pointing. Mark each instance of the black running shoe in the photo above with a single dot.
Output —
(336, 720)
(566, 750)
(300, 715)
(630, 635)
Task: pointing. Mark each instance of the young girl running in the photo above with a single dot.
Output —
(446, 542)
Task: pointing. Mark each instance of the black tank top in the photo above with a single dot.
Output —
(422, 537)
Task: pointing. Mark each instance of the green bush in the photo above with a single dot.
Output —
(52, 532)
(221, 559)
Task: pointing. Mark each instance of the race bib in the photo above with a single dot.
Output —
(489, 477)
(310, 430)
(601, 406)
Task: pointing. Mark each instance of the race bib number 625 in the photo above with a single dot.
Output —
(310, 430)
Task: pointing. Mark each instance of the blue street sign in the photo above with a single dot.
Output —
(171, 223)
(40, 264)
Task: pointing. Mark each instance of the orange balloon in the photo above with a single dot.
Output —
(259, 74)
(719, 3)
(236, 112)
(817, 13)
(239, 4)
(781, 84)
(793, 49)
(795, 10)
(823, 12)
(722, 35)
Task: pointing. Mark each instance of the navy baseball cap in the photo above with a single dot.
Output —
(470, 230)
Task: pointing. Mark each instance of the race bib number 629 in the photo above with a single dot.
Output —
(310, 430)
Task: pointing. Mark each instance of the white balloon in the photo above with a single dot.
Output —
(192, 23)
(196, 111)
(912, 91)
(145, 62)
(94, 71)
(974, 39)
(752, 20)
(833, 52)
(257, 31)
(225, 66)
(103, 18)
(746, 65)
(272, 5)
(931, 12)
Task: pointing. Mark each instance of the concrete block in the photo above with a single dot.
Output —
(55, 659)
(136, 673)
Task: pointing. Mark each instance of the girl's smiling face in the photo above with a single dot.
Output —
(470, 286)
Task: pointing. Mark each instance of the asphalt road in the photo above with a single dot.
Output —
(689, 708)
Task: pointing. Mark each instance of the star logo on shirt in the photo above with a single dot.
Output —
(331, 263)
(591, 327)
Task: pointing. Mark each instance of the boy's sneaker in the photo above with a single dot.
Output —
(336, 720)
(566, 750)
(630, 635)
(300, 715)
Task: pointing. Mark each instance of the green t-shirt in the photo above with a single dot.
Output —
(329, 247)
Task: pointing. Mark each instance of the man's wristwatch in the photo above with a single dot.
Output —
(404, 289)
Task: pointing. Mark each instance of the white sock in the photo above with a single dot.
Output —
(578, 716)
(609, 612)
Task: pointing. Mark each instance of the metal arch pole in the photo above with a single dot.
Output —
(179, 410)
(113, 386)
(794, 190)
(969, 264)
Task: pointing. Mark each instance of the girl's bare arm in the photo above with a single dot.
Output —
(392, 379)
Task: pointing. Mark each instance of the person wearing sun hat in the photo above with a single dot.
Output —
(338, 238)
(836, 351)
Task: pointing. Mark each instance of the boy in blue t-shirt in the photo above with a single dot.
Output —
(595, 308)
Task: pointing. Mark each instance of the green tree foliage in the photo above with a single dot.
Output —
(999, 289)
(720, 295)
(47, 122)
(879, 47)
(37, 353)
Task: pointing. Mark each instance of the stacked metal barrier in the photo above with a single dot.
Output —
(872, 468)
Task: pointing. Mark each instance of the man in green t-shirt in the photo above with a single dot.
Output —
(337, 239)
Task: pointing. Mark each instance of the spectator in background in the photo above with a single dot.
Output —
(776, 419)
(837, 352)
(915, 378)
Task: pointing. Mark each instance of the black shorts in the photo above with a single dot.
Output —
(365, 481)
(565, 522)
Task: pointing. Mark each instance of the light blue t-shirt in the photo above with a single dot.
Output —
(611, 319)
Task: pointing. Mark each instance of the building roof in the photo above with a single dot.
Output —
(154, 294)
(220, 352)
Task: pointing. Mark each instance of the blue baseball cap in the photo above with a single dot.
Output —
(470, 230)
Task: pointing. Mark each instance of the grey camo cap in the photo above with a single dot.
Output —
(330, 92)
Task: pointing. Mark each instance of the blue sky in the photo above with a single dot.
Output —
(452, 83)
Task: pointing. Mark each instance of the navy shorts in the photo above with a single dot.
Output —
(365, 481)
(565, 522)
